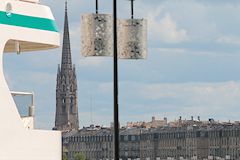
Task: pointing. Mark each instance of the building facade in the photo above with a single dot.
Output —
(97, 143)
(66, 88)
(190, 141)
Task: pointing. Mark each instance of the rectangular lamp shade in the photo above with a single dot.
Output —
(132, 39)
(96, 35)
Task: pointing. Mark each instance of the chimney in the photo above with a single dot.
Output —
(199, 118)
(153, 119)
(165, 120)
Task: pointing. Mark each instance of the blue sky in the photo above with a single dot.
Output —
(192, 67)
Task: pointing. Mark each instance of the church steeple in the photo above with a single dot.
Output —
(66, 89)
(66, 49)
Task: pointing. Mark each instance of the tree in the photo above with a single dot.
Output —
(79, 156)
(64, 157)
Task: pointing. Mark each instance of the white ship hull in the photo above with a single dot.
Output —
(19, 31)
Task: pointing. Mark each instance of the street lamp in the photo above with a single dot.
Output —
(99, 37)
(115, 82)
(132, 37)
(96, 34)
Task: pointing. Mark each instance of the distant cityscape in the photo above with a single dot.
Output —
(158, 139)
(182, 139)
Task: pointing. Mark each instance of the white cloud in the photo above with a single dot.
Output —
(217, 100)
(171, 50)
(88, 118)
(165, 29)
(34, 77)
(235, 40)
(106, 87)
(91, 61)
(204, 92)
(75, 36)
(191, 52)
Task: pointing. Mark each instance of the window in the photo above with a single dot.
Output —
(63, 108)
(63, 100)
(71, 100)
(63, 80)
(71, 105)
(133, 138)
(63, 88)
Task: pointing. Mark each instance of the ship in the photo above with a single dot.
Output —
(25, 26)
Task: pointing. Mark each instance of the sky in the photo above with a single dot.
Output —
(192, 67)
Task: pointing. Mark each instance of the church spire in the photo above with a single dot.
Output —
(66, 6)
(66, 50)
(66, 87)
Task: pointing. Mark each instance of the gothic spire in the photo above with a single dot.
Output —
(66, 88)
(66, 50)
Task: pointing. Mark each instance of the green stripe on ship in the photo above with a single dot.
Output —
(28, 22)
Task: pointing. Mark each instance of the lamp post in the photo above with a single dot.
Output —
(115, 81)
(100, 34)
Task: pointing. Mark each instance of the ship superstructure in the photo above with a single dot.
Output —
(25, 25)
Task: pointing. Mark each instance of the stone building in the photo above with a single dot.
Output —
(94, 143)
(213, 141)
(97, 143)
(224, 141)
(66, 89)
(155, 123)
(130, 143)
(191, 141)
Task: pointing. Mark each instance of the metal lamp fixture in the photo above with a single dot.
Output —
(96, 34)
(132, 41)
(104, 35)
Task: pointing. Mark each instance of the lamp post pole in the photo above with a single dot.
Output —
(132, 9)
(115, 83)
(97, 41)
(96, 6)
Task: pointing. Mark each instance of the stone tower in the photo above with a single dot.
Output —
(66, 89)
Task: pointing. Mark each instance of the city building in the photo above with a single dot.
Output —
(97, 143)
(66, 89)
(152, 124)
(190, 140)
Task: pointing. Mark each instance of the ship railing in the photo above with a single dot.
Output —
(28, 120)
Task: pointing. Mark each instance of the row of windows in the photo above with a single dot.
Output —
(192, 134)
(71, 105)
(125, 138)
(64, 100)
(64, 110)
(225, 133)
(64, 88)
(145, 137)
(166, 152)
(129, 137)
(91, 146)
(89, 138)
(91, 155)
